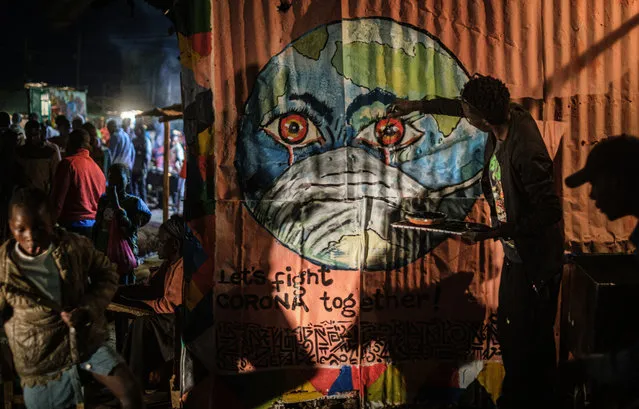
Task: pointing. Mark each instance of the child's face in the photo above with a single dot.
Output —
(33, 230)
(118, 180)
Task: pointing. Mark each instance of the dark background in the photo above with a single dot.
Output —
(123, 52)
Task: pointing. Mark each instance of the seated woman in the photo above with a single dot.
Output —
(151, 338)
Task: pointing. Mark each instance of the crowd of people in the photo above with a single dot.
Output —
(72, 201)
(140, 147)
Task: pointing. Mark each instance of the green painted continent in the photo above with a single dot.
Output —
(426, 72)
(311, 45)
(269, 95)
(374, 65)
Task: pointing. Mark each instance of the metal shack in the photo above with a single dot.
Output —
(49, 101)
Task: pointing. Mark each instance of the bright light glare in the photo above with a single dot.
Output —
(129, 114)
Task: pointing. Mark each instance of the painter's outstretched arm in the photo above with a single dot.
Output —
(435, 106)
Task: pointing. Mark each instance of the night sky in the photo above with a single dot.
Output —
(127, 56)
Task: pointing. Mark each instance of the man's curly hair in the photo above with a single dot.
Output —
(489, 96)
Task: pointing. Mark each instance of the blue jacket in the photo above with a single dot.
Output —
(121, 148)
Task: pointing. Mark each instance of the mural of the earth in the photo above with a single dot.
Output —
(324, 169)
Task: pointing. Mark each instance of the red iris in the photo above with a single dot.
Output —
(389, 131)
(293, 128)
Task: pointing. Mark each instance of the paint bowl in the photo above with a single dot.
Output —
(426, 218)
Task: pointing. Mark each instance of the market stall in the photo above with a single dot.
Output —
(165, 115)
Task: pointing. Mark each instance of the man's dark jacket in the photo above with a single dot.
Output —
(533, 208)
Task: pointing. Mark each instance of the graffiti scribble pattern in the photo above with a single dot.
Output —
(246, 347)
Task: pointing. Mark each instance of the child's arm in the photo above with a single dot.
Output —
(143, 215)
(124, 221)
(130, 223)
(103, 278)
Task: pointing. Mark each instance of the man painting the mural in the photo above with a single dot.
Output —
(517, 182)
(612, 169)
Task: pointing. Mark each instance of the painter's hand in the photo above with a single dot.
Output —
(76, 317)
(401, 107)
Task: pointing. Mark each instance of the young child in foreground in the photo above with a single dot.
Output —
(54, 289)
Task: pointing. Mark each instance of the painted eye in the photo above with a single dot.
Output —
(293, 128)
(388, 135)
(293, 131)
(389, 131)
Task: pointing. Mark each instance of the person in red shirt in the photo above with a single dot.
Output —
(77, 186)
(104, 132)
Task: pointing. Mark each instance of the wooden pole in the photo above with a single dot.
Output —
(166, 189)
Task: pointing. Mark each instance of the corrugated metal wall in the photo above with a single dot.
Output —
(572, 63)
(591, 60)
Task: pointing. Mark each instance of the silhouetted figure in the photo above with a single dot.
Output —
(612, 170)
